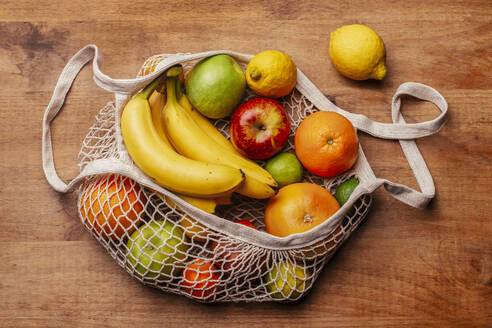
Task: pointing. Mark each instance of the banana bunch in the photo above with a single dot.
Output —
(158, 159)
(178, 147)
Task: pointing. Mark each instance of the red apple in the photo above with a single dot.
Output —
(230, 255)
(259, 128)
(246, 223)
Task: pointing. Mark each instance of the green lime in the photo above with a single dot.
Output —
(285, 169)
(344, 191)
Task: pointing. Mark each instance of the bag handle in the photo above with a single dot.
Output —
(403, 193)
(396, 130)
(410, 149)
(63, 85)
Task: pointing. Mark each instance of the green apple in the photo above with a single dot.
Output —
(157, 250)
(288, 280)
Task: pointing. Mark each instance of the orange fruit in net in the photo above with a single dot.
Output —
(112, 206)
(200, 278)
(297, 208)
(326, 143)
(151, 64)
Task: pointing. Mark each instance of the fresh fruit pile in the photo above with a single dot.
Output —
(169, 132)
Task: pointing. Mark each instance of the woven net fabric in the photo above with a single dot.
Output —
(167, 248)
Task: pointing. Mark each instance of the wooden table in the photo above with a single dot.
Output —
(403, 267)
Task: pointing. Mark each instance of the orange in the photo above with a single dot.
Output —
(326, 143)
(200, 278)
(297, 208)
(300, 207)
(151, 64)
(112, 206)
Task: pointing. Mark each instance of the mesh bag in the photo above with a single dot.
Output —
(169, 244)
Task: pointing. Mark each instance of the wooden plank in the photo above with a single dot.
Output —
(403, 267)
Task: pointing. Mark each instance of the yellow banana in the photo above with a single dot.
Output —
(190, 140)
(254, 188)
(206, 204)
(205, 124)
(156, 102)
(168, 168)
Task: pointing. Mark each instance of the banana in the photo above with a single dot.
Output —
(161, 162)
(205, 124)
(190, 140)
(206, 204)
(156, 102)
(254, 188)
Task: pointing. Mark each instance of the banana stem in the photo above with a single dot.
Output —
(171, 89)
(147, 91)
(174, 71)
(179, 91)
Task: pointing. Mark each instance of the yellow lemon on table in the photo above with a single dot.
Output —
(358, 52)
(271, 73)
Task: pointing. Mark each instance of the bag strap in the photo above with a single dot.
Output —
(410, 149)
(63, 85)
(405, 194)
(396, 130)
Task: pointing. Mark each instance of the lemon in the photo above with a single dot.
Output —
(271, 73)
(358, 52)
(288, 280)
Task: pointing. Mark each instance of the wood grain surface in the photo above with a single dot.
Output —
(402, 268)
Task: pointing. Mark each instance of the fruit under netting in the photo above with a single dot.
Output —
(168, 239)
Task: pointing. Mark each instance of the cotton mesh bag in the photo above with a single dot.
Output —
(169, 244)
